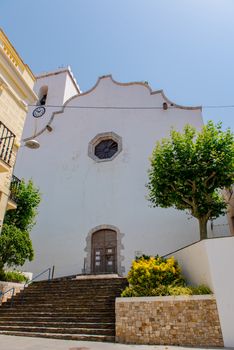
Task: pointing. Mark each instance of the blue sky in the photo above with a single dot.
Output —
(185, 47)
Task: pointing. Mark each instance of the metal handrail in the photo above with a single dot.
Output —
(33, 279)
(12, 294)
(41, 273)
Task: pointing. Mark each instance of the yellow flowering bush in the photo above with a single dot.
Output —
(153, 276)
(151, 272)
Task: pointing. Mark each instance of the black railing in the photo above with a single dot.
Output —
(15, 182)
(6, 143)
(12, 290)
(50, 276)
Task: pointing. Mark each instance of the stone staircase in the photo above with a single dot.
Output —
(79, 309)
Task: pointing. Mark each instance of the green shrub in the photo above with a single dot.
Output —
(157, 276)
(151, 272)
(136, 291)
(13, 276)
(202, 289)
(159, 291)
(179, 290)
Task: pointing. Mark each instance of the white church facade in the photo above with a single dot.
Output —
(91, 168)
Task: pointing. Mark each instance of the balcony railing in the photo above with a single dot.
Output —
(15, 182)
(6, 143)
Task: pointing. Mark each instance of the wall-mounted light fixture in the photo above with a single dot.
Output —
(32, 144)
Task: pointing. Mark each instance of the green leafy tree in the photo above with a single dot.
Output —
(189, 170)
(15, 246)
(28, 199)
(15, 243)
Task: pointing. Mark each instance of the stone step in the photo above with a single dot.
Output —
(66, 296)
(110, 301)
(90, 281)
(57, 306)
(59, 329)
(73, 291)
(70, 304)
(61, 312)
(75, 284)
(61, 324)
(54, 284)
(76, 301)
(58, 319)
(87, 337)
(78, 291)
(64, 309)
(62, 294)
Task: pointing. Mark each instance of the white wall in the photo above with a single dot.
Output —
(79, 194)
(211, 262)
(195, 264)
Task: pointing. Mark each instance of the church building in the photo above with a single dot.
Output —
(90, 162)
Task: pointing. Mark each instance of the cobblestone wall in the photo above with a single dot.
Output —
(180, 320)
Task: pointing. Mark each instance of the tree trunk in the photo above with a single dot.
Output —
(203, 228)
(1, 271)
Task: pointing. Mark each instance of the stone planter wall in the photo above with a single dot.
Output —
(4, 286)
(210, 262)
(180, 320)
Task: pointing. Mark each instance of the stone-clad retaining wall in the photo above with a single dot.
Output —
(179, 320)
(4, 286)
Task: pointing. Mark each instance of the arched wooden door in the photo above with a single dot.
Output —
(104, 252)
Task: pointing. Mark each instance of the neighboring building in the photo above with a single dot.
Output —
(16, 91)
(91, 168)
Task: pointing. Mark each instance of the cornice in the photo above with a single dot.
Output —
(16, 77)
(15, 54)
(4, 85)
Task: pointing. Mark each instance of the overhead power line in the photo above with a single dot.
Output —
(218, 106)
(131, 108)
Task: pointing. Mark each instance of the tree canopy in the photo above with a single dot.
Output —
(15, 243)
(189, 170)
(15, 246)
(28, 199)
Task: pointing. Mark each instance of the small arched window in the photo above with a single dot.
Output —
(43, 92)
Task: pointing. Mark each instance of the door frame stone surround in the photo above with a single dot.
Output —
(120, 247)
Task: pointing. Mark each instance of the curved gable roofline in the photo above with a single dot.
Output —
(109, 76)
(152, 92)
